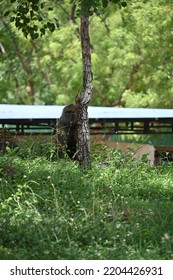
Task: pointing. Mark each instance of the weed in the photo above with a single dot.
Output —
(50, 210)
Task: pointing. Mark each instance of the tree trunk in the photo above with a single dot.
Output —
(82, 99)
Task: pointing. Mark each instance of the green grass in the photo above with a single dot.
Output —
(49, 209)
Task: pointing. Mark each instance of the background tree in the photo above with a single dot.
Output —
(130, 39)
(132, 65)
(27, 15)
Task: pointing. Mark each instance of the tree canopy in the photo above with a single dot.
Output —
(131, 54)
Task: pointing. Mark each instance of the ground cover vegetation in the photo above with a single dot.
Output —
(49, 209)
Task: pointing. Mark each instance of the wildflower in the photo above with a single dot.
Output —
(118, 225)
(165, 237)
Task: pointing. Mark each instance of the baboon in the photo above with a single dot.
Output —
(67, 131)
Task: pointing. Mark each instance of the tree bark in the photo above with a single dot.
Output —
(82, 99)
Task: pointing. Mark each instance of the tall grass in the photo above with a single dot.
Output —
(121, 209)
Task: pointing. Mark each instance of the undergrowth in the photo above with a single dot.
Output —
(120, 209)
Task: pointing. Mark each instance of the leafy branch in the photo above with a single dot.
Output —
(31, 16)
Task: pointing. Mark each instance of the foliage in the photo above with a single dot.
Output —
(27, 14)
(119, 210)
(153, 87)
(132, 65)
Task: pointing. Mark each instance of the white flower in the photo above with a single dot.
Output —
(165, 237)
(118, 225)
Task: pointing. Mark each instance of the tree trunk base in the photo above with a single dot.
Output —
(83, 154)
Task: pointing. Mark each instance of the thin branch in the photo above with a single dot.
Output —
(2, 49)
(105, 24)
(72, 14)
(44, 75)
(30, 87)
(129, 85)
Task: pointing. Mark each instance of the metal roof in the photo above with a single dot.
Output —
(31, 112)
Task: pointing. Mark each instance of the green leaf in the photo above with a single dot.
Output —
(35, 27)
(51, 26)
(35, 7)
(86, 13)
(31, 14)
(124, 4)
(42, 5)
(78, 12)
(34, 35)
(18, 24)
(57, 22)
(96, 11)
(23, 9)
(6, 13)
(26, 20)
(90, 13)
(12, 19)
(104, 3)
(42, 31)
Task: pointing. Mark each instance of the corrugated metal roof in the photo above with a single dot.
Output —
(129, 113)
(30, 111)
(11, 112)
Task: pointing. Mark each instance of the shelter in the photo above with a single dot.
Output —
(34, 119)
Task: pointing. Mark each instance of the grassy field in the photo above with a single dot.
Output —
(49, 209)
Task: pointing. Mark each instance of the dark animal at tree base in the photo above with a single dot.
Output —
(67, 132)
